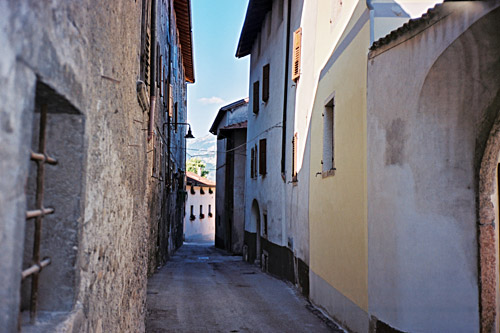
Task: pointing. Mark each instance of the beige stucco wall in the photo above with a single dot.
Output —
(337, 213)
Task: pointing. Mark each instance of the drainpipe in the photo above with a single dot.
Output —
(285, 92)
(369, 4)
(152, 84)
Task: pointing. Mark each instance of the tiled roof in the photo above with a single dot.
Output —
(183, 20)
(410, 26)
(198, 180)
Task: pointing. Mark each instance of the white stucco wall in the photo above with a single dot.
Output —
(427, 103)
(199, 229)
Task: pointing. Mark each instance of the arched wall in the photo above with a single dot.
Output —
(427, 133)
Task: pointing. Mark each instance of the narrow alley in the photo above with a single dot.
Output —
(204, 289)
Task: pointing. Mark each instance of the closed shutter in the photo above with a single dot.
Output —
(145, 42)
(256, 97)
(262, 157)
(294, 157)
(297, 42)
(265, 83)
(170, 100)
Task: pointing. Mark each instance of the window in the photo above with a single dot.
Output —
(262, 157)
(297, 41)
(256, 97)
(210, 211)
(201, 212)
(170, 100)
(265, 83)
(145, 41)
(294, 157)
(329, 139)
(255, 162)
(252, 159)
(192, 190)
(192, 217)
(175, 116)
(264, 232)
(201, 190)
(53, 193)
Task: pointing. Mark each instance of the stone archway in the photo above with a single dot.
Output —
(488, 227)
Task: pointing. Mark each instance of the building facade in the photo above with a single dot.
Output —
(230, 127)
(433, 152)
(199, 219)
(83, 97)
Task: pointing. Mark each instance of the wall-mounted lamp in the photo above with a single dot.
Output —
(189, 134)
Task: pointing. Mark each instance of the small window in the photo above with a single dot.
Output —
(297, 43)
(256, 97)
(262, 157)
(329, 138)
(192, 217)
(255, 161)
(265, 83)
(175, 116)
(170, 100)
(264, 232)
(201, 212)
(294, 157)
(210, 211)
(252, 163)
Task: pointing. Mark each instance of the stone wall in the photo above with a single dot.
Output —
(87, 56)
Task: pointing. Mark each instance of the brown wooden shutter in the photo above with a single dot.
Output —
(262, 157)
(294, 157)
(297, 42)
(256, 97)
(170, 100)
(265, 83)
(145, 42)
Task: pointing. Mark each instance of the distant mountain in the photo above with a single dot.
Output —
(205, 148)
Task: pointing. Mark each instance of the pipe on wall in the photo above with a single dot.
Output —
(152, 84)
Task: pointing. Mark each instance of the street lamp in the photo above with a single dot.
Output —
(189, 134)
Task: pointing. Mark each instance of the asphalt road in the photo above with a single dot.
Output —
(203, 289)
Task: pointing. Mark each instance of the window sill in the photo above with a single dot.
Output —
(328, 173)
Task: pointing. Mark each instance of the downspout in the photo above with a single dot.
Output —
(285, 92)
(152, 83)
(369, 4)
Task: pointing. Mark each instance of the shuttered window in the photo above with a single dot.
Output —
(170, 100)
(256, 97)
(145, 42)
(294, 157)
(262, 157)
(252, 159)
(255, 160)
(265, 83)
(297, 42)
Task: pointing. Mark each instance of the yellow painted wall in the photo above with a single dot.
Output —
(337, 205)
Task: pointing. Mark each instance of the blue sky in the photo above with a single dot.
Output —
(220, 77)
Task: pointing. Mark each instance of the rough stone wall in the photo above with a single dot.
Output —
(89, 54)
